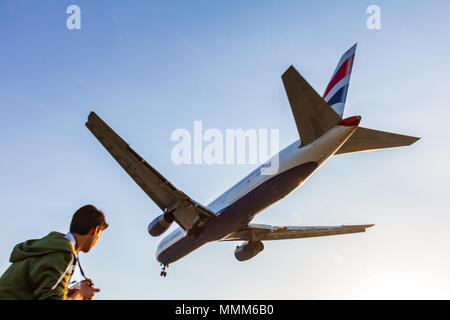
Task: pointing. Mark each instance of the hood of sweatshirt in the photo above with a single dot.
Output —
(53, 242)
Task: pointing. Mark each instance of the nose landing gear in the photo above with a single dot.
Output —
(163, 271)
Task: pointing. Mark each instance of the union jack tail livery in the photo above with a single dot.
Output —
(336, 91)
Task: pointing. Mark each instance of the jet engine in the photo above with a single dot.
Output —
(248, 250)
(160, 224)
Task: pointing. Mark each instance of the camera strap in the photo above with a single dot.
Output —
(81, 269)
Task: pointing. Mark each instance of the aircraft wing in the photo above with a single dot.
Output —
(187, 212)
(261, 232)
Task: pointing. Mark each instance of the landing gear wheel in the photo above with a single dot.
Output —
(163, 272)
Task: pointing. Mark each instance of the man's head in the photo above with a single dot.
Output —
(87, 224)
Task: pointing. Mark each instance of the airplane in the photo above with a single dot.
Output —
(323, 133)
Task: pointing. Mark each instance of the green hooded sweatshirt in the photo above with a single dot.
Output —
(40, 269)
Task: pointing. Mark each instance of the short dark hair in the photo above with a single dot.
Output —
(86, 218)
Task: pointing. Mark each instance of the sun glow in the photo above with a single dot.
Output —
(401, 285)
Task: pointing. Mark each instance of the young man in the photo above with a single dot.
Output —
(41, 269)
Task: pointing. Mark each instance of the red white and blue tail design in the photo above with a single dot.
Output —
(336, 91)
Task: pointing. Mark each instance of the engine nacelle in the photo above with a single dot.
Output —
(248, 250)
(160, 224)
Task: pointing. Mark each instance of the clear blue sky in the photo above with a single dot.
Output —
(151, 67)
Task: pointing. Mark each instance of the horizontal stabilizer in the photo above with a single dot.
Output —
(364, 139)
(313, 116)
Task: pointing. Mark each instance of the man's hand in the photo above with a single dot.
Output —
(86, 292)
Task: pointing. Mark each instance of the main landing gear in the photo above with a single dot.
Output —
(163, 271)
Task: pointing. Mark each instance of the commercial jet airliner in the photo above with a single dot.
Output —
(323, 134)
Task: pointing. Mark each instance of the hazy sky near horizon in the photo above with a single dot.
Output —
(150, 67)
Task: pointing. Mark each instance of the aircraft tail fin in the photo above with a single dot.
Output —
(364, 139)
(336, 92)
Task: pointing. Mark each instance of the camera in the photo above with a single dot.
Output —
(78, 284)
